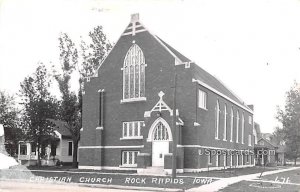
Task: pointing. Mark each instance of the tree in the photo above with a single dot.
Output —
(290, 119)
(71, 103)
(10, 121)
(70, 109)
(278, 136)
(94, 52)
(39, 106)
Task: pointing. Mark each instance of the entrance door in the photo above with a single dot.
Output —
(160, 144)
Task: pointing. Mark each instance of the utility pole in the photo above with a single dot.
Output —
(174, 151)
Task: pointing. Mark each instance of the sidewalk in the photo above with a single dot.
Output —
(9, 186)
(222, 183)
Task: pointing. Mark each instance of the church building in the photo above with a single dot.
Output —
(146, 96)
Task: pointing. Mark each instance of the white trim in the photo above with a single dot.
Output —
(221, 94)
(152, 128)
(169, 171)
(161, 105)
(196, 124)
(133, 100)
(214, 168)
(207, 147)
(106, 167)
(128, 165)
(136, 26)
(131, 138)
(130, 33)
(112, 147)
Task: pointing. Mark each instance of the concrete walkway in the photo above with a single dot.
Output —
(224, 182)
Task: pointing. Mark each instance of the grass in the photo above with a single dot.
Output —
(233, 172)
(294, 177)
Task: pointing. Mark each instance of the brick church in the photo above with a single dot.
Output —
(128, 111)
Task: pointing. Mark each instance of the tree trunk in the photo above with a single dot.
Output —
(38, 155)
(295, 161)
(75, 150)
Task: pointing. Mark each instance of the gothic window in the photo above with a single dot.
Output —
(231, 125)
(134, 74)
(225, 123)
(160, 132)
(237, 126)
(243, 127)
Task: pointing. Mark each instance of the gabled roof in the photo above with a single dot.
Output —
(266, 141)
(61, 127)
(135, 26)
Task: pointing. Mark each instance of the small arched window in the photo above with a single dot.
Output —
(243, 127)
(134, 73)
(237, 125)
(231, 124)
(225, 123)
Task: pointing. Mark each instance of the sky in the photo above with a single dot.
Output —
(252, 46)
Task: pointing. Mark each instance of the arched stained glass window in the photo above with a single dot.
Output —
(160, 132)
(134, 73)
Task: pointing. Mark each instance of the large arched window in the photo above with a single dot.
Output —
(217, 120)
(134, 73)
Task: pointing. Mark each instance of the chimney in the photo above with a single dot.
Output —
(135, 17)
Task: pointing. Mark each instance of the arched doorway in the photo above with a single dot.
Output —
(160, 137)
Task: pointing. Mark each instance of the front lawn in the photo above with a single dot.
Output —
(290, 182)
(233, 172)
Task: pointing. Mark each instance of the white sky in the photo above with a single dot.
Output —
(233, 40)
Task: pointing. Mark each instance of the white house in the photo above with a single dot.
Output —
(61, 151)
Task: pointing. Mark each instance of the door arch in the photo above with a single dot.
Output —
(160, 134)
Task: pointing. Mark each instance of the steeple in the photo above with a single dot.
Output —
(135, 17)
(135, 26)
